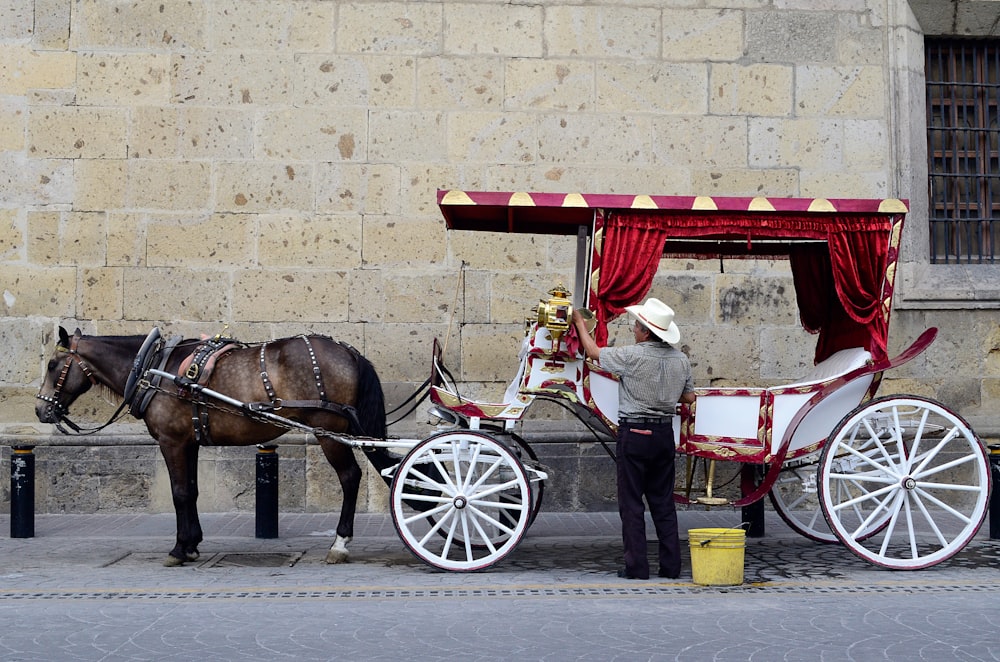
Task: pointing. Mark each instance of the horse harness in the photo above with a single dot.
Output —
(198, 367)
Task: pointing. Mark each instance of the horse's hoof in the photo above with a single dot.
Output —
(172, 561)
(336, 556)
(192, 556)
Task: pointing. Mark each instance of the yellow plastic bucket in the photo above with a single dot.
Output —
(717, 556)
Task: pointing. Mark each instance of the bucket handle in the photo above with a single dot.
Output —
(742, 526)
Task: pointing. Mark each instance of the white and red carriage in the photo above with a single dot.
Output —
(901, 480)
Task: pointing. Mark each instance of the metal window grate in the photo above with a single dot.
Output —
(963, 149)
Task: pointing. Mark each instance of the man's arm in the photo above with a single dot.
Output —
(687, 398)
(590, 348)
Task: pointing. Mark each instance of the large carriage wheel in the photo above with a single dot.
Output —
(795, 497)
(477, 497)
(911, 462)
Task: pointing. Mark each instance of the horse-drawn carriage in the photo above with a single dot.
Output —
(901, 480)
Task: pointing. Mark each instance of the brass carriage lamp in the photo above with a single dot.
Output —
(556, 314)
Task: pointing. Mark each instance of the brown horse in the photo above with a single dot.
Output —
(319, 383)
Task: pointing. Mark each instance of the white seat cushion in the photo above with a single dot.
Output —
(837, 364)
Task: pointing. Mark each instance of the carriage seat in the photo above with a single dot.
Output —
(835, 365)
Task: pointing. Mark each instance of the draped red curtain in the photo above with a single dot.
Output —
(628, 263)
(839, 286)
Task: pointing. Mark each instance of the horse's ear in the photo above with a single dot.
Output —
(78, 333)
(63, 337)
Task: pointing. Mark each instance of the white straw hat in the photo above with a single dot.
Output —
(658, 318)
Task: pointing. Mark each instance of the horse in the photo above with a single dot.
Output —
(314, 381)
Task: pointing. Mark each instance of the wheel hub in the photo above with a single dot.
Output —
(909, 483)
(460, 502)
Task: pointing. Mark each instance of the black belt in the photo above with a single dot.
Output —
(645, 420)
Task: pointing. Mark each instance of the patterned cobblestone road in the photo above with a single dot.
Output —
(91, 587)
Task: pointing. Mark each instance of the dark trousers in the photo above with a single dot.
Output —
(646, 468)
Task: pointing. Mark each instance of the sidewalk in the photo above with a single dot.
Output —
(82, 554)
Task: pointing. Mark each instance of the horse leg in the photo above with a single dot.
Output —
(342, 459)
(182, 466)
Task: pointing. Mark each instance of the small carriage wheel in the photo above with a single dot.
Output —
(795, 497)
(477, 496)
(916, 465)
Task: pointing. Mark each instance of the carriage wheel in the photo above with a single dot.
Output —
(795, 497)
(913, 464)
(537, 492)
(478, 497)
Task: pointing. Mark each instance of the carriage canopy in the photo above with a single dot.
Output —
(842, 252)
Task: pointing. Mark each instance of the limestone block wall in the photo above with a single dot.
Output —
(272, 166)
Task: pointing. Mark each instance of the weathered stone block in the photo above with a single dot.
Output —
(703, 34)
(126, 239)
(402, 352)
(489, 351)
(702, 142)
(782, 182)
(805, 143)
(419, 183)
(32, 290)
(286, 240)
(533, 84)
(169, 294)
(13, 121)
(277, 295)
(391, 241)
(123, 79)
(390, 27)
(230, 79)
(168, 185)
(170, 132)
(347, 187)
(418, 297)
(652, 87)
(82, 238)
(585, 138)
(756, 299)
(101, 290)
(460, 82)
(307, 134)
(99, 184)
(221, 240)
(515, 30)
(492, 137)
(178, 24)
(23, 69)
(754, 89)
(261, 186)
(355, 81)
(790, 36)
(78, 133)
(21, 340)
(12, 237)
(856, 92)
(407, 136)
(602, 31)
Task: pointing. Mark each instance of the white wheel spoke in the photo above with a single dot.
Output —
(933, 453)
(915, 496)
(437, 526)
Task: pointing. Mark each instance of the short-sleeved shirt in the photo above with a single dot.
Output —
(653, 376)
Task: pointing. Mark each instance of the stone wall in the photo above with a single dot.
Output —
(272, 166)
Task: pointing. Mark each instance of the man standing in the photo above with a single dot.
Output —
(653, 377)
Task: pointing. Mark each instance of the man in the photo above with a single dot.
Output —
(653, 377)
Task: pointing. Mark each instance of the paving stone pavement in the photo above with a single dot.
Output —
(92, 587)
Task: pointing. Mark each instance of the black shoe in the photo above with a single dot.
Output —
(668, 575)
(624, 574)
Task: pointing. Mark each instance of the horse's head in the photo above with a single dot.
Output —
(67, 376)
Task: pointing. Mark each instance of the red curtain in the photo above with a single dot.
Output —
(839, 286)
(629, 259)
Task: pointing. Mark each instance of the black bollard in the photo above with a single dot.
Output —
(22, 492)
(752, 514)
(267, 492)
(995, 497)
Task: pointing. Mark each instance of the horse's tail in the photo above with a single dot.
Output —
(371, 401)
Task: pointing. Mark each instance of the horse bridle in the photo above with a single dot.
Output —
(57, 409)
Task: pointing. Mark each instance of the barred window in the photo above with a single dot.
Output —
(963, 89)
